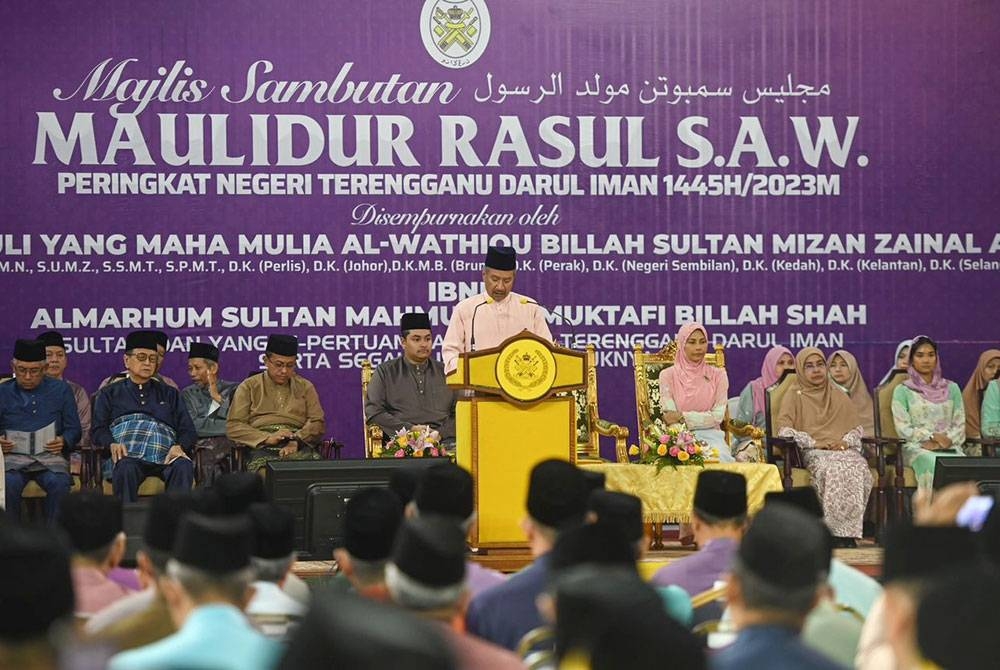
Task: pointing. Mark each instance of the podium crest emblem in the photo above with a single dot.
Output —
(526, 370)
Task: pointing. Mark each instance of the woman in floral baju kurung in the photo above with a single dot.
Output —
(928, 412)
(825, 425)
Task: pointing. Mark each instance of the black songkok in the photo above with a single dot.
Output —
(204, 350)
(721, 494)
(595, 480)
(403, 482)
(445, 489)
(804, 498)
(164, 519)
(785, 547)
(922, 552)
(159, 337)
(592, 544)
(216, 545)
(501, 258)
(621, 510)
(52, 338)
(957, 620)
(414, 321)
(353, 632)
(274, 531)
(140, 339)
(371, 519)
(35, 582)
(557, 494)
(238, 490)
(283, 345)
(91, 520)
(29, 351)
(610, 616)
(431, 552)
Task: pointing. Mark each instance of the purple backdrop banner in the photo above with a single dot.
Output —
(786, 172)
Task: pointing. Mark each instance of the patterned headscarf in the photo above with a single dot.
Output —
(936, 390)
(768, 376)
(857, 391)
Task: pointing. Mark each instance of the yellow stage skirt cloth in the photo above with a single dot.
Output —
(668, 496)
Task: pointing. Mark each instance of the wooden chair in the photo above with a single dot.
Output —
(783, 451)
(537, 648)
(590, 426)
(889, 444)
(647, 368)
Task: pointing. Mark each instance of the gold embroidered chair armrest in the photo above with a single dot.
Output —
(609, 429)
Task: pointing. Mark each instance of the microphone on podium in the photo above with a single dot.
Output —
(472, 337)
(553, 311)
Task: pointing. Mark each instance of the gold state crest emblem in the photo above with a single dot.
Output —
(455, 32)
(526, 370)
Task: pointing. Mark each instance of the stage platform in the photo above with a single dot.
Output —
(867, 558)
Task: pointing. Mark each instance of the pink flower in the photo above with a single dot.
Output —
(664, 439)
(399, 453)
(674, 451)
(434, 452)
(691, 449)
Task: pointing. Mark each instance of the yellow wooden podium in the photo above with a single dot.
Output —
(509, 421)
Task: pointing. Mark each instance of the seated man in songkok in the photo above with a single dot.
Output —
(93, 524)
(487, 319)
(718, 519)
(207, 400)
(272, 611)
(614, 620)
(445, 491)
(353, 632)
(56, 361)
(778, 574)
(37, 590)
(207, 586)
(371, 519)
(621, 510)
(410, 390)
(162, 341)
(427, 575)
(957, 620)
(144, 424)
(277, 413)
(42, 412)
(916, 558)
(557, 501)
(142, 617)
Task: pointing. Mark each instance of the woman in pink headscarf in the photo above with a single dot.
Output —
(751, 407)
(695, 392)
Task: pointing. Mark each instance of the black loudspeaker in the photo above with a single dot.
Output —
(316, 492)
(133, 523)
(324, 520)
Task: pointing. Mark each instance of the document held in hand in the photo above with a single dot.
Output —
(32, 443)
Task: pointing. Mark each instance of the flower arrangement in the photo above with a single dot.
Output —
(671, 445)
(417, 442)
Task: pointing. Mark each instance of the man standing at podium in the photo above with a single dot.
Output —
(485, 320)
